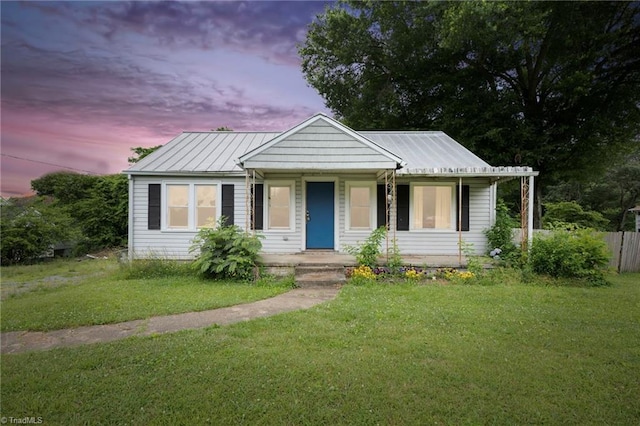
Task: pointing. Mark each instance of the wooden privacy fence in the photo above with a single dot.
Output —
(625, 250)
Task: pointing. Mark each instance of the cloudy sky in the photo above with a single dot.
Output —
(83, 82)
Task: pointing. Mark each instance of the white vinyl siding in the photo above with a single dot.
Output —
(174, 244)
(320, 146)
(432, 243)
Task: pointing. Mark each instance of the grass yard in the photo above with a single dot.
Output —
(378, 354)
(69, 293)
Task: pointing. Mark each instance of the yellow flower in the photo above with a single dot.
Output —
(364, 272)
(412, 274)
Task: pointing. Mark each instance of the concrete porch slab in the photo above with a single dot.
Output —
(342, 259)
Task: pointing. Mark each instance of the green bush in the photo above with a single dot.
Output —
(500, 235)
(368, 252)
(580, 253)
(226, 252)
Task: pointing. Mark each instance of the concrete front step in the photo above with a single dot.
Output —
(319, 275)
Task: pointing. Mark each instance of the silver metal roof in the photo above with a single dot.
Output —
(423, 153)
(426, 150)
(201, 152)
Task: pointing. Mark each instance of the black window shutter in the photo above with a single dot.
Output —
(382, 196)
(228, 204)
(465, 208)
(402, 207)
(258, 220)
(153, 213)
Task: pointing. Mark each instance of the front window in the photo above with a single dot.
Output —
(191, 206)
(432, 207)
(360, 205)
(178, 206)
(279, 207)
(205, 206)
(360, 200)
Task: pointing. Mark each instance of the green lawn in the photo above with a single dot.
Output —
(96, 292)
(379, 354)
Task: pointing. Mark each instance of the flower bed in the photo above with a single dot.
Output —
(413, 273)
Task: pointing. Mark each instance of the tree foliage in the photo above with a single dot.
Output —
(141, 152)
(612, 194)
(30, 228)
(553, 85)
(98, 205)
(572, 214)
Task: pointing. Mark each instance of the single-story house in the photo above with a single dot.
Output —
(317, 186)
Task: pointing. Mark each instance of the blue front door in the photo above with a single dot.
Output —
(320, 215)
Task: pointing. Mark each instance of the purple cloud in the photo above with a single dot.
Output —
(84, 82)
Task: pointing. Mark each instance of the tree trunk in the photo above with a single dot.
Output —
(537, 210)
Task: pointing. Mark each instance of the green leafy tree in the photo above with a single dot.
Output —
(572, 213)
(65, 187)
(553, 85)
(141, 152)
(611, 194)
(97, 204)
(30, 228)
(103, 215)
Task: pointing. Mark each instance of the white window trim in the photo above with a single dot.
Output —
(191, 204)
(292, 205)
(372, 204)
(452, 221)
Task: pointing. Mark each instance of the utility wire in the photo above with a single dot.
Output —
(49, 164)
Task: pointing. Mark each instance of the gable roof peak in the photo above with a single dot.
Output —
(390, 156)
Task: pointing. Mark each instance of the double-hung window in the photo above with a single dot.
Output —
(432, 207)
(191, 206)
(279, 206)
(361, 205)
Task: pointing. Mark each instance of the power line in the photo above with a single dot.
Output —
(49, 164)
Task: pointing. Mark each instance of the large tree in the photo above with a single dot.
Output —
(98, 205)
(552, 85)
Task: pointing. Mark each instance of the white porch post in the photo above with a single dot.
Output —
(247, 203)
(530, 213)
(460, 220)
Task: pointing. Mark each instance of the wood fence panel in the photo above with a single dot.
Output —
(614, 242)
(630, 261)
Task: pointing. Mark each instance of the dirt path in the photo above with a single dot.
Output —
(301, 298)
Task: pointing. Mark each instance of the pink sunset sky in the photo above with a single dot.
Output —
(83, 82)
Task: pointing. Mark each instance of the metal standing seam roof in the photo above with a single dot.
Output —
(425, 153)
(426, 150)
(201, 152)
